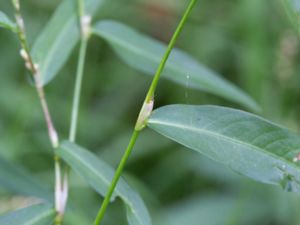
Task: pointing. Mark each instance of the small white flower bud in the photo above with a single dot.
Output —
(85, 25)
(144, 115)
(28, 65)
(24, 54)
(53, 137)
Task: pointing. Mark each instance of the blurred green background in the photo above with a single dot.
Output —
(251, 43)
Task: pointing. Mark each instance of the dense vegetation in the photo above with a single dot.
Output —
(238, 54)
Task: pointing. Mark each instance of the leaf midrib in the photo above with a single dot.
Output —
(113, 39)
(53, 47)
(39, 217)
(209, 133)
(105, 180)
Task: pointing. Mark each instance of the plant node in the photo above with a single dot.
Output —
(144, 115)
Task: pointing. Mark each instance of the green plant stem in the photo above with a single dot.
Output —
(77, 90)
(117, 175)
(25, 53)
(143, 115)
(78, 85)
(150, 94)
(33, 69)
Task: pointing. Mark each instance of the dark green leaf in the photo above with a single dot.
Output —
(215, 210)
(57, 40)
(40, 214)
(18, 180)
(99, 175)
(144, 53)
(5, 22)
(247, 143)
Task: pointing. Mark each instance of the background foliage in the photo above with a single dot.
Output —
(250, 43)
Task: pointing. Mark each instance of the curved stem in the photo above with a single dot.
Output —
(143, 115)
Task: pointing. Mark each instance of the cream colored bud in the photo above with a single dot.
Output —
(24, 55)
(85, 25)
(144, 115)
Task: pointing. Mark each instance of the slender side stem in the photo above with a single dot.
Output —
(77, 90)
(143, 115)
(84, 22)
(33, 68)
(25, 53)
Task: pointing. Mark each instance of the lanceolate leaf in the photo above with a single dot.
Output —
(144, 53)
(5, 22)
(18, 180)
(55, 43)
(247, 143)
(40, 214)
(99, 175)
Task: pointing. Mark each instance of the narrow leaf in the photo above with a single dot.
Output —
(144, 54)
(40, 214)
(99, 175)
(18, 180)
(54, 45)
(246, 143)
(5, 22)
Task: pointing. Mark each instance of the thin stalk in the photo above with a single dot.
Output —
(84, 22)
(143, 115)
(77, 90)
(150, 94)
(25, 53)
(118, 173)
(53, 137)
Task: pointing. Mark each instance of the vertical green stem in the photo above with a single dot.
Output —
(84, 28)
(143, 115)
(77, 90)
(84, 22)
(118, 173)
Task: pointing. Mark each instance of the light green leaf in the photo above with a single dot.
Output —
(246, 143)
(18, 180)
(55, 43)
(40, 214)
(293, 10)
(5, 22)
(99, 175)
(144, 53)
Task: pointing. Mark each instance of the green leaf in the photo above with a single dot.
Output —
(248, 144)
(99, 175)
(144, 54)
(215, 210)
(55, 43)
(39, 214)
(18, 180)
(293, 10)
(5, 22)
